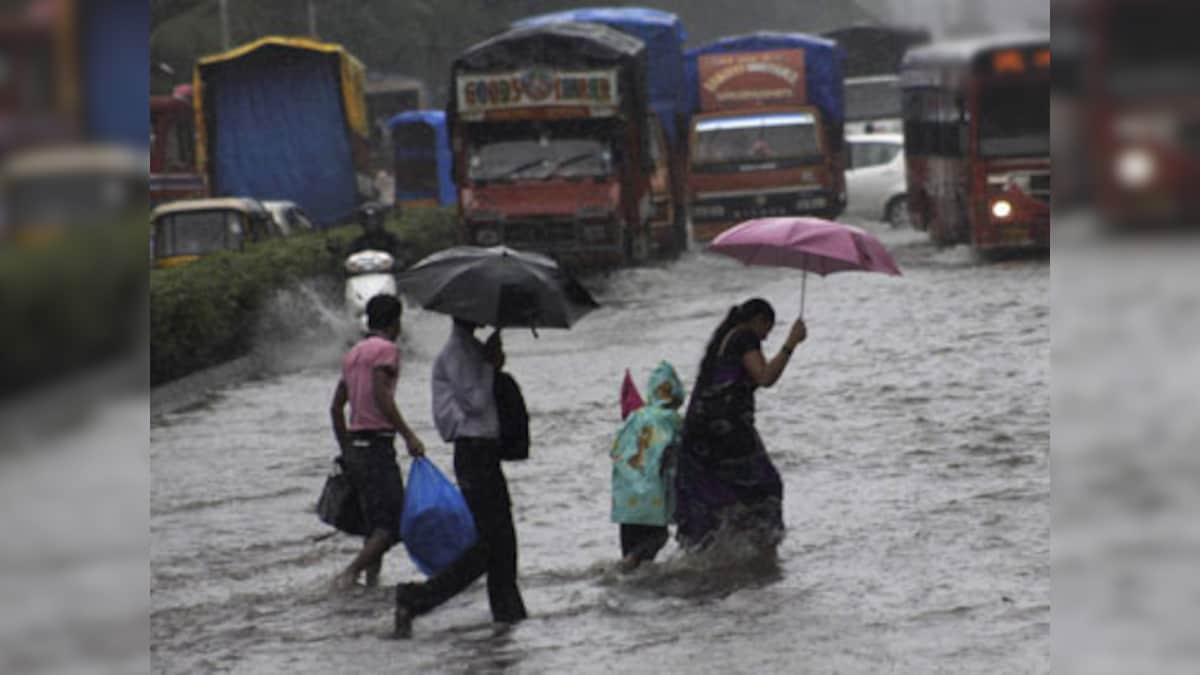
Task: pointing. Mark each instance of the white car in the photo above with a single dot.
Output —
(289, 217)
(875, 183)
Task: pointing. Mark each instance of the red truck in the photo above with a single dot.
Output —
(173, 173)
(549, 129)
(767, 133)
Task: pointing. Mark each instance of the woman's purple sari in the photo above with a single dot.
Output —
(725, 480)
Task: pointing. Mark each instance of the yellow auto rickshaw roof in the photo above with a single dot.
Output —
(240, 204)
(75, 159)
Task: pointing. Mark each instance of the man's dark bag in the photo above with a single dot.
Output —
(514, 418)
(339, 505)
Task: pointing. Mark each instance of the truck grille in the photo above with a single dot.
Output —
(1039, 186)
(742, 207)
(538, 233)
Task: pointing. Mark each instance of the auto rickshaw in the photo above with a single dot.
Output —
(184, 231)
(48, 192)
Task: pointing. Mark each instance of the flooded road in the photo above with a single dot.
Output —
(912, 431)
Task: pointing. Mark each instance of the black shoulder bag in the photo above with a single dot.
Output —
(514, 418)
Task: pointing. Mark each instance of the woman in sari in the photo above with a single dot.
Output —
(725, 481)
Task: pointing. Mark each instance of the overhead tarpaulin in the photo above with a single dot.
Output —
(823, 60)
(663, 35)
(427, 154)
(276, 119)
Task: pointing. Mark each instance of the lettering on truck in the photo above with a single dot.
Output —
(741, 79)
(537, 87)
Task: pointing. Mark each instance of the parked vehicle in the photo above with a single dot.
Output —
(46, 192)
(173, 174)
(422, 159)
(977, 141)
(872, 87)
(767, 138)
(550, 130)
(663, 35)
(875, 183)
(368, 273)
(285, 118)
(288, 218)
(184, 231)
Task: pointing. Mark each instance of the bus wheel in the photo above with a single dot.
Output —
(896, 212)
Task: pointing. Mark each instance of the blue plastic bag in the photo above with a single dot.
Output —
(436, 525)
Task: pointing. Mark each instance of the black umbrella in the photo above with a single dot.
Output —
(498, 287)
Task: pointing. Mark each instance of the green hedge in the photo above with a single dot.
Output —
(72, 302)
(203, 313)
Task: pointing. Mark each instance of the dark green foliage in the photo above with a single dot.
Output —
(204, 313)
(71, 303)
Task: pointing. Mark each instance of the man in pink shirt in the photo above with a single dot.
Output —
(369, 374)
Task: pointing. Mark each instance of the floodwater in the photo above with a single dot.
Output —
(912, 431)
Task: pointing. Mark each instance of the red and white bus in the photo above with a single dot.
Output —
(977, 141)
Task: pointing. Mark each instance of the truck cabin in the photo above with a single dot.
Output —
(34, 106)
(746, 142)
(172, 135)
(550, 150)
(550, 143)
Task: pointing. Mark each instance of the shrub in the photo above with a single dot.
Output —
(71, 302)
(204, 313)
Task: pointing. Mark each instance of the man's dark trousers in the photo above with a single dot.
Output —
(477, 467)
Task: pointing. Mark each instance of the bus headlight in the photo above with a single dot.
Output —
(1001, 209)
(1135, 168)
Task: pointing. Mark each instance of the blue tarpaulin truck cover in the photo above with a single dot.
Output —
(277, 119)
(437, 154)
(663, 35)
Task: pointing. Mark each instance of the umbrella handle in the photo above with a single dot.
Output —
(803, 285)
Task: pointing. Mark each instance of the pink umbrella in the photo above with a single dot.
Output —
(810, 244)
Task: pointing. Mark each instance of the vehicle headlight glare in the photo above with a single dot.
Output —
(1002, 208)
(1135, 168)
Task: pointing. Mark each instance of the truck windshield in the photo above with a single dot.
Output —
(1014, 119)
(791, 136)
(540, 158)
(195, 233)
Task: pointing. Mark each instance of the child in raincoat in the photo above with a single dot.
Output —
(642, 474)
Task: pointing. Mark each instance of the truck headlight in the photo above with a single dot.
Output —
(1135, 168)
(1001, 209)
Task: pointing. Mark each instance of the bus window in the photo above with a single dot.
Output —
(1014, 119)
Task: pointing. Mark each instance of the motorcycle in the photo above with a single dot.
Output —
(368, 273)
